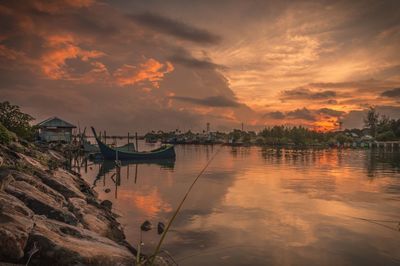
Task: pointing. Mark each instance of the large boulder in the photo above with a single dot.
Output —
(15, 225)
(41, 203)
(65, 183)
(5, 178)
(97, 219)
(62, 244)
(39, 185)
(32, 162)
(55, 155)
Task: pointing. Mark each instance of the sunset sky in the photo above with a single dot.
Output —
(143, 65)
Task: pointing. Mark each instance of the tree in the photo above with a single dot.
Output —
(16, 121)
(386, 136)
(371, 120)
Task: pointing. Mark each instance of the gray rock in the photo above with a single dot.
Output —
(41, 203)
(62, 244)
(97, 219)
(15, 225)
(38, 184)
(63, 182)
(5, 178)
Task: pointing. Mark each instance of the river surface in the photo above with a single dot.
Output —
(256, 206)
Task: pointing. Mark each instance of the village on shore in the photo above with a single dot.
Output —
(379, 131)
(50, 214)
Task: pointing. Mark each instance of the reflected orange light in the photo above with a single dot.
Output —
(149, 202)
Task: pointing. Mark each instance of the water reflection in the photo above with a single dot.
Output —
(258, 206)
(112, 170)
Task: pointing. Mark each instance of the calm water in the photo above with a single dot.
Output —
(257, 206)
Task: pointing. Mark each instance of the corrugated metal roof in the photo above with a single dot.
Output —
(55, 122)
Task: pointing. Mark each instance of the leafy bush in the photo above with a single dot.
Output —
(386, 136)
(16, 121)
(5, 135)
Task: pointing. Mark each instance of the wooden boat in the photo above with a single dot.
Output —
(120, 153)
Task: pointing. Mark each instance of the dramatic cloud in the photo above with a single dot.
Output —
(304, 114)
(311, 117)
(95, 63)
(275, 115)
(54, 62)
(175, 28)
(151, 70)
(298, 114)
(393, 93)
(303, 93)
(331, 112)
(189, 61)
(213, 101)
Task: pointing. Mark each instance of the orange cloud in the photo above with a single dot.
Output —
(151, 70)
(62, 47)
(326, 125)
(9, 54)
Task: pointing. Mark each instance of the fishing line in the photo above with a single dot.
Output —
(181, 204)
(379, 222)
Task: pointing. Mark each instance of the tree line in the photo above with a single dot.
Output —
(379, 127)
(382, 127)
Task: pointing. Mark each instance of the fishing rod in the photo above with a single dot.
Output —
(180, 206)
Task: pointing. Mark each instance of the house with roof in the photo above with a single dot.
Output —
(55, 129)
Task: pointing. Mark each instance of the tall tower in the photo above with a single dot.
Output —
(208, 127)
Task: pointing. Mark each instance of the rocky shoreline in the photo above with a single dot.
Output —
(51, 216)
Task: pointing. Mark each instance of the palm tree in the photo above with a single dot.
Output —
(371, 120)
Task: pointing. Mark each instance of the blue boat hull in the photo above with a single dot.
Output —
(164, 152)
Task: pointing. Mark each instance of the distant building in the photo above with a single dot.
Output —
(55, 129)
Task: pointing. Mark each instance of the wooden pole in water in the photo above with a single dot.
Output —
(136, 169)
(137, 147)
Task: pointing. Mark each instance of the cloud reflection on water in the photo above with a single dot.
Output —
(263, 206)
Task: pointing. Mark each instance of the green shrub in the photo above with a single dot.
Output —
(386, 136)
(16, 121)
(5, 136)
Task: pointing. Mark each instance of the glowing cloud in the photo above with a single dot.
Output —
(151, 71)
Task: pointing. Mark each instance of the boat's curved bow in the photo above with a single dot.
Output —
(164, 152)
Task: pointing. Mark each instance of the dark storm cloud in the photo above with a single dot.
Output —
(275, 115)
(302, 93)
(330, 112)
(303, 114)
(86, 21)
(176, 28)
(212, 101)
(393, 93)
(189, 61)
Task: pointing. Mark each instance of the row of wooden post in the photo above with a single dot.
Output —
(136, 139)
